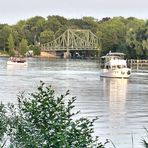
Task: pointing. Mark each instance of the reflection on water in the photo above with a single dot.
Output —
(115, 91)
(120, 104)
(15, 69)
(126, 115)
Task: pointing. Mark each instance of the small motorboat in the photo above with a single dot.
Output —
(17, 61)
(113, 65)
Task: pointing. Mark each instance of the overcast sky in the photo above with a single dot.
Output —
(11, 11)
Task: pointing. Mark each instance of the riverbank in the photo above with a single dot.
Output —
(4, 54)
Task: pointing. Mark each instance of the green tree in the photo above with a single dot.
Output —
(44, 120)
(4, 34)
(33, 28)
(35, 49)
(11, 42)
(90, 23)
(19, 31)
(112, 34)
(52, 24)
(134, 45)
(76, 23)
(23, 47)
(46, 36)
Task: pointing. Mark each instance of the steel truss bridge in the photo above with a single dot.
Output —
(73, 39)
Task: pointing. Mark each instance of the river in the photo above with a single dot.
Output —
(120, 104)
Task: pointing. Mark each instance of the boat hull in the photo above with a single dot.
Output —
(16, 63)
(118, 73)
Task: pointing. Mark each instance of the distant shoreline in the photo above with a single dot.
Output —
(4, 55)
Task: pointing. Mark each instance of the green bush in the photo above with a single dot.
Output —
(145, 142)
(35, 49)
(44, 120)
(11, 53)
(3, 124)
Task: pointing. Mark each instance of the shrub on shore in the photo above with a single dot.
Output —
(145, 142)
(44, 120)
(3, 124)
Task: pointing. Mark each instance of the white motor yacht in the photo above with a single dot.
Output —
(114, 66)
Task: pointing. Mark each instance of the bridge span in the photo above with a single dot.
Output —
(73, 39)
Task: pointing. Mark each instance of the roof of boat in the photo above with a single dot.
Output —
(114, 54)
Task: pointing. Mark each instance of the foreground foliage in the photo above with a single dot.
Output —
(44, 120)
(145, 142)
(3, 124)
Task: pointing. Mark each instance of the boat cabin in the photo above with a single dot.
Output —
(115, 64)
(116, 58)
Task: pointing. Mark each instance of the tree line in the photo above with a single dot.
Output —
(128, 35)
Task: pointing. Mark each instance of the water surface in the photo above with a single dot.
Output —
(120, 104)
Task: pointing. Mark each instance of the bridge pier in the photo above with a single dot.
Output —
(54, 54)
(67, 54)
(51, 54)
